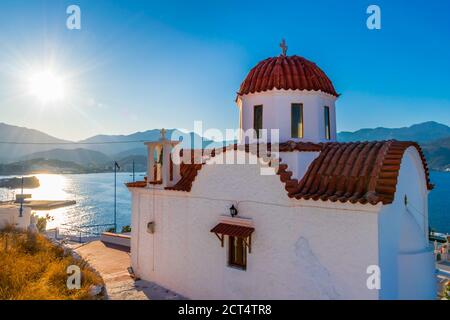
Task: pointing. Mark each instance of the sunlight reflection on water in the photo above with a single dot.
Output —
(94, 194)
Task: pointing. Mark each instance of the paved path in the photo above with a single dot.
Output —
(444, 265)
(111, 262)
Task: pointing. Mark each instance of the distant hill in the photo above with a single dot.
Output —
(433, 137)
(31, 151)
(422, 132)
(140, 163)
(438, 154)
(130, 152)
(41, 166)
(120, 144)
(13, 152)
(112, 146)
(80, 156)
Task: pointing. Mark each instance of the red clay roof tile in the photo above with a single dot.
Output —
(286, 72)
(356, 172)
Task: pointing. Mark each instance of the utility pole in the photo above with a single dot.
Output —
(133, 173)
(21, 202)
(21, 196)
(116, 166)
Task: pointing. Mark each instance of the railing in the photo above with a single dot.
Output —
(80, 233)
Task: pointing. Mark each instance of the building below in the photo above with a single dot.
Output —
(10, 215)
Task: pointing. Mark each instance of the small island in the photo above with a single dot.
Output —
(16, 183)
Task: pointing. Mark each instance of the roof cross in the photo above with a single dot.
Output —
(283, 47)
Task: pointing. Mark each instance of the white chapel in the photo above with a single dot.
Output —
(333, 220)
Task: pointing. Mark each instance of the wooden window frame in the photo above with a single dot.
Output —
(231, 262)
(301, 122)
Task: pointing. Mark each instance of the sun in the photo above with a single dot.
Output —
(47, 87)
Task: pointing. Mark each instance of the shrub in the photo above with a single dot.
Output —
(33, 268)
(41, 222)
(126, 229)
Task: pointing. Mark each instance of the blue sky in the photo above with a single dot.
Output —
(138, 65)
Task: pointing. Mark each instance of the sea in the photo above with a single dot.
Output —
(93, 193)
(94, 196)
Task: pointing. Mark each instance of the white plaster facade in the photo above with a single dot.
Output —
(406, 259)
(277, 113)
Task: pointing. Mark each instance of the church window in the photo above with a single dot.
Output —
(297, 120)
(326, 114)
(237, 255)
(258, 119)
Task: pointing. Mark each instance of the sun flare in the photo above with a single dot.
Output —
(47, 87)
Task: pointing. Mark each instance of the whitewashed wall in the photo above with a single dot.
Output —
(300, 249)
(298, 162)
(277, 112)
(9, 216)
(406, 260)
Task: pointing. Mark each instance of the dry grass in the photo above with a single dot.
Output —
(32, 268)
(446, 291)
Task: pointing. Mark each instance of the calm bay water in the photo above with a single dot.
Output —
(94, 194)
(439, 202)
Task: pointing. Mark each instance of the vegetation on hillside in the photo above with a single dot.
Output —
(126, 229)
(36, 166)
(446, 293)
(16, 182)
(40, 166)
(33, 268)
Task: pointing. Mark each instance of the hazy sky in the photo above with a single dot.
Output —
(139, 65)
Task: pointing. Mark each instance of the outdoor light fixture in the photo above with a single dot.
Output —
(233, 211)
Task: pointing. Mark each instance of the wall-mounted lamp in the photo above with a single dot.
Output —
(233, 211)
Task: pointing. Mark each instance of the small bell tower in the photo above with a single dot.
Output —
(161, 171)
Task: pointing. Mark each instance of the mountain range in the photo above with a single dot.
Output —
(30, 150)
(423, 133)
(24, 150)
(17, 142)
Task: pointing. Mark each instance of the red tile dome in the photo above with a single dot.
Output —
(286, 72)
